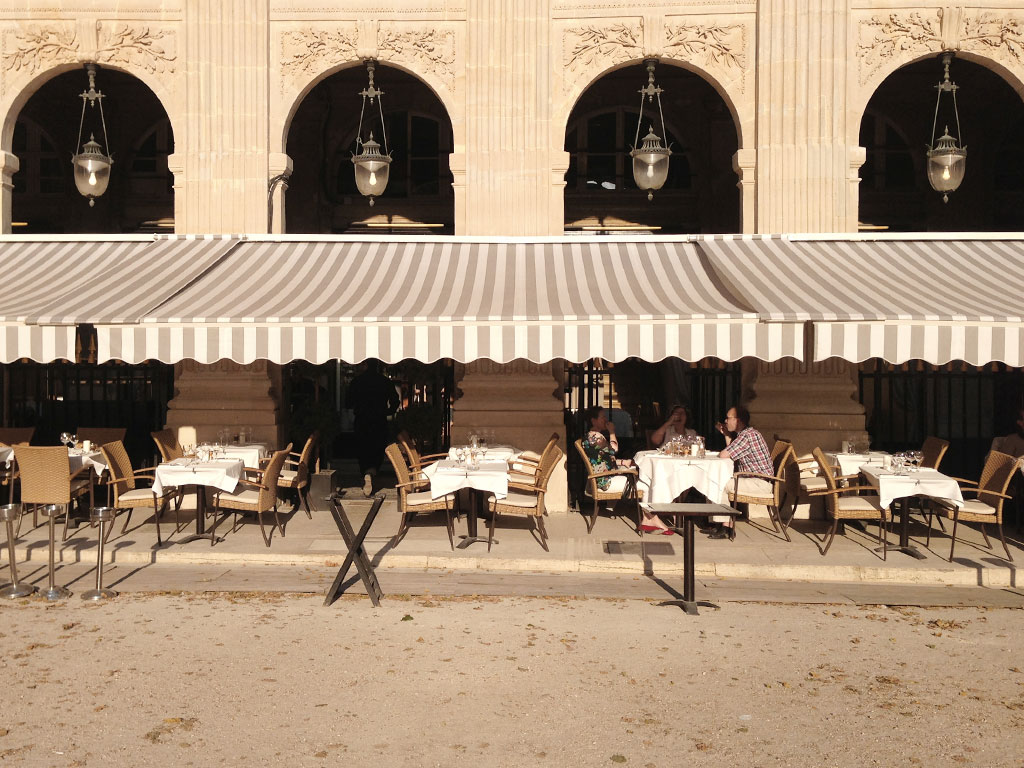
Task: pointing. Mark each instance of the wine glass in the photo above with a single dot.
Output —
(65, 439)
(916, 457)
(74, 440)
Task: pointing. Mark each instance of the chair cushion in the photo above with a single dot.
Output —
(287, 476)
(977, 507)
(420, 498)
(247, 496)
(859, 504)
(136, 495)
(808, 484)
(519, 499)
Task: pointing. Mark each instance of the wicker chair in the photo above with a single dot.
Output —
(527, 498)
(416, 463)
(253, 497)
(932, 451)
(46, 479)
(167, 443)
(599, 496)
(412, 499)
(781, 485)
(101, 435)
(987, 508)
(298, 478)
(528, 462)
(842, 507)
(126, 495)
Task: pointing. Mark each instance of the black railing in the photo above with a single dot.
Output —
(965, 405)
(61, 397)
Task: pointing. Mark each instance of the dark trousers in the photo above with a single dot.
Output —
(371, 440)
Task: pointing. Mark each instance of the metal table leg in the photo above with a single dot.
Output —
(356, 553)
(476, 499)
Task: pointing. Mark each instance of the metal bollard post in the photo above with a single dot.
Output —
(8, 514)
(51, 511)
(101, 515)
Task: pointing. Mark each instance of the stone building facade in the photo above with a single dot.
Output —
(795, 77)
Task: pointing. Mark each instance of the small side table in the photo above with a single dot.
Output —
(686, 512)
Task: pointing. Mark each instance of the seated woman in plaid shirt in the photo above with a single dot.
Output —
(750, 452)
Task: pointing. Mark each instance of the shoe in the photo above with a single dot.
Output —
(367, 485)
(722, 533)
(649, 528)
(668, 532)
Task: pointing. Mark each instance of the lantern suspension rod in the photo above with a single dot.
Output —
(946, 85)
(650, 91)
(92, 96)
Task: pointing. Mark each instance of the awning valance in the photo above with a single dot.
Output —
(895, 299)
(50, 286)
(319, 300)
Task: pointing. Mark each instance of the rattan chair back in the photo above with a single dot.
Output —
(996, 476)
(45, 474)
(120, 467)
(101, 435)
(548, 462)
(302, 470)
(268, 493)
(830, 479)
(167, 443)
(398, 463)
(16, 435)
(932, 451)
(786, 466)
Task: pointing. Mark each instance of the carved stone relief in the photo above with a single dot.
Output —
(591, 46)
(717, 48)
(139, 47)
(307, 52)
(902, 36)
(429, 51)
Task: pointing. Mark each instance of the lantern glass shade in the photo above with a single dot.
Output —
(650, 163)
(946, 164)
(92, 170)
(372, 169)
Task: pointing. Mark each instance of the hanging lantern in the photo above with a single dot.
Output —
(947, 157)
(371, 167)
(650, 161)
(91, 163)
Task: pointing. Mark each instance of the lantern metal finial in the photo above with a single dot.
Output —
(650, 160)
(91, 163)
(371, 167)
(947, 157)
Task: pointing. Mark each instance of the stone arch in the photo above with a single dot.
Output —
(560, 119)
(11, 109)
(292, 100)
(893, 65)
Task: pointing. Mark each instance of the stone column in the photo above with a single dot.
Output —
(804, 62)
(176, 165)
(280, 165)
(208, 398)
(226, 125)
(521, 404)
(9, 165)
(809, 404)
(744, 162)
(508, 115)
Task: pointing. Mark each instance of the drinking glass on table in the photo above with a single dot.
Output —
(65, 439)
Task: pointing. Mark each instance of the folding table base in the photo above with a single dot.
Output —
(356, 553)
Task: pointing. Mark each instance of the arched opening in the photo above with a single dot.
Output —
(322, 195)
(140, 197)
(896, 128)
(700, 194)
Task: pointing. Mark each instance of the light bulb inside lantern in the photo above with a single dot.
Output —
(650, 171)
(373, 179)
(92, 179)
(945, 173)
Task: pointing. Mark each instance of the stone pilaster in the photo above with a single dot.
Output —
(9, 166)
(809, 404)
(804, 67)
(280, 168)
(521, 404)
(508, 87)
(226, 155)
(208, 398)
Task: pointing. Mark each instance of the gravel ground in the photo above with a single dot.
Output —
(268, 679)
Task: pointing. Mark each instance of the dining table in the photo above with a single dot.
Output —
(484, 478)
(222, 474)
(850, 463)
(249, 453)
(669, 476)
(902, 487)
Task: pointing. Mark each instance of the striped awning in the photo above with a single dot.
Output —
(428, 299)
(51, 286)
(896, 299)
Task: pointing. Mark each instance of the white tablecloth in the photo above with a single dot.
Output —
(850, 463)
(6, 454)
(223, 474)
(921, 482)
(448, 476)
(490, 453)
(250, 453)
(666, 477)
(78, 458)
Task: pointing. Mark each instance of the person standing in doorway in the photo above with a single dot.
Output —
(372, 398)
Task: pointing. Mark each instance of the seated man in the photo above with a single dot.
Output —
(748, 449)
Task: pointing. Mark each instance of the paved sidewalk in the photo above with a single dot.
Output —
(757, 555)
